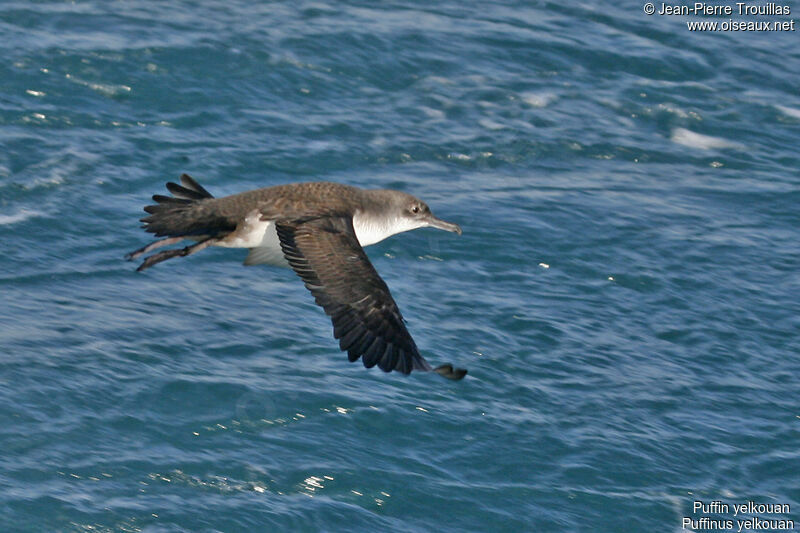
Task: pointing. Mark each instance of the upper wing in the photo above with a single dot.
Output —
(326, 254)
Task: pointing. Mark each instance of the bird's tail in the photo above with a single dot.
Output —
(179, 214)
(185, 214)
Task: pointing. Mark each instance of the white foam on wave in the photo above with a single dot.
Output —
(490, 124)
(56, 177)
(789, 111)
(538, 99)
(698, 140)
(431, 113)
(669, 108)
(22, 214)
(106, 89)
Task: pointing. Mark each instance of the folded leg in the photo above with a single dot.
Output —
(178, 252)
(152, 246)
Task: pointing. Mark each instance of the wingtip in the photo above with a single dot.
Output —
(449, 372)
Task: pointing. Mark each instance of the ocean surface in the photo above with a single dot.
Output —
(624, 295)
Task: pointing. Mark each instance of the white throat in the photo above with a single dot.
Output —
(370, 230)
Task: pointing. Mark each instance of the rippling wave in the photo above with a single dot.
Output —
(623, 294)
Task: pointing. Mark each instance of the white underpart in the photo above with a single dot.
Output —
(258, 235)
(268, 251)
(248, 234)
(265, 247)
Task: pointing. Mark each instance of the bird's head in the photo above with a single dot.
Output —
(414, 213)
(390, 212)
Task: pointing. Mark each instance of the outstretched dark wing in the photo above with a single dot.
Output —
(326, 254)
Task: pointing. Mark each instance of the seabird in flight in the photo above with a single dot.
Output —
(317, 229)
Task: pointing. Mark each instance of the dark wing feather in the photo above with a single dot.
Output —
(327, 256)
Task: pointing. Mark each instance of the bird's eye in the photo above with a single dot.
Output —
(415, 209)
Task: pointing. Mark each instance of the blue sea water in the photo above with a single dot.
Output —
(624, 295)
